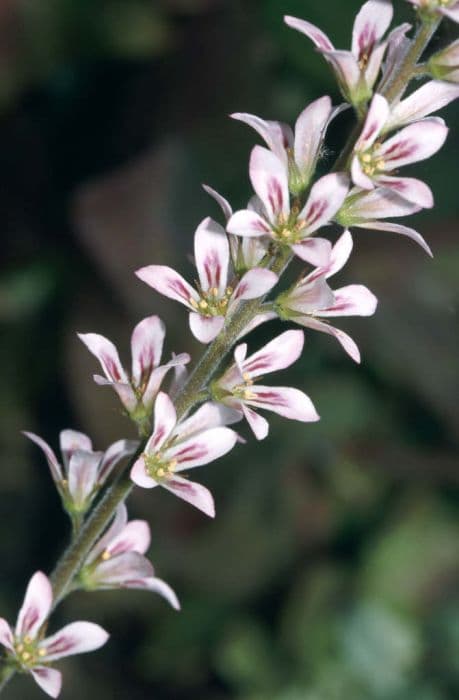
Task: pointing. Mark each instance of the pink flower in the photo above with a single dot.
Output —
(448, 8)
(174, 447)
(298, 150)
(83, 471)
(375, 159)
(427, 99)
(214, 299)
(138, 392)
(311, 299)
(444, 65)
(237, 390)
(358, 69)
(117, 561)
(364, 209)
(287, 225)
(31, 652)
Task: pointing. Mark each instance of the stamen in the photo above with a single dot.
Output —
(203, 304)
(214, 291)
(193, 303)
(106, 555)
(42, 652)
(248, 395)
(246, 377)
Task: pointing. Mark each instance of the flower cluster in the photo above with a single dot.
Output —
(288, 220)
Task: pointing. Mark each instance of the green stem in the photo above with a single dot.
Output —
(6, 675)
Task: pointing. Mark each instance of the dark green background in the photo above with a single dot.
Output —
(331, 571)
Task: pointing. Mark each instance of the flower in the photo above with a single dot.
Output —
(214, 299)
(83, 471)
(237, 390)
(357, 69)
(298, 150)
(30, 652)
(289, 226)
(138, 393)
(117, 561)
(447, 8)
(173, 447)
(311, 299)
(375, 159)
(444, 65)
(427, 99)
(364, 209)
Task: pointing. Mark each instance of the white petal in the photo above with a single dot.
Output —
(346, 68)
(157, 377)
(353, 300)
(76, 638)
(340, 253)
(211, 253)
(343, 338)
(258, 424)
(72, 440)
(320, 39)
(277, 354)
(209, 415)
(107, 354)
(202, 448)
(377, 116)
(118, 523)
(374, 64)
(254, 284)
(316, 251)
(123, 389)
(193, 493)
(398, 228)
(54, 466)
(309, 134)
(225, 206)
(452, 12)
(205, 328)
(122, 571)
(6, 635)
(36, 606)
(248, 223)
(427, 99)
(169, 283)
(115, 453)
(413, 143)
(134, 537)
(370, 25)
(49, 680)
(359, 178)
(140, 477)
(269, 179)
(165, 420)
(277, 136)
(146, 346)
(397, 44)
(409, 188)
(286, 401)
(83, 476)
(380, 203)
(326, 197)
(157, 585)
(309, 297)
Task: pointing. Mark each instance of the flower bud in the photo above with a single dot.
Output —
(444, 65)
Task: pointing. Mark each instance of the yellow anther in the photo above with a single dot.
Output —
(28, 639)
(106, 555)
(223, 302)
(193, 303)
(160, 472)
(285, 233)
(246, 378)
(248, 395)
(203, 304)
(366, 158)
(380, 164)
(42, 652)
(172, 466)
(20, 648)
(214, 291)
(229, 291)
(25, 656)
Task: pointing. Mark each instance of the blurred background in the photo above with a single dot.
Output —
(331, 571)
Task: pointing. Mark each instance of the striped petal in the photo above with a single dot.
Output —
(36, 606)
(269, 179)
(193, 493)
(121, 571)
(278, 354)
(326, 197)
(409, 188)
(343, 338)
(254, 284)
(206, 328)
(6, 635)
(398, 228)
(203, 448)
(223, 203)
(211, 253)
(277, 136)
(285, 401)
(76, 638)
(54, 466)
(310, 130)
(48, 679)
(370, 25)
(413, 143)
(353, 300)
(315, 251)
(321, 40)
(165, 420)
(146, 346)
(107, 354)
(248, 223)
(258, 424)
(377, 116)
(168, 283)
(83, 477)
(427, 99)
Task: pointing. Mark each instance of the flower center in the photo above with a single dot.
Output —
(211, 303)
(27, 652)
(289, 231)
(243, 391)
(371, 163)
(159, 468)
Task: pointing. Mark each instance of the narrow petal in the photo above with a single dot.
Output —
(165, 420)
(398, 228)
(310, 130)
(211, 253)
(346, 68)
(223, 203)
(193, 493)
(209, 415)
(374, 64)
(157, 585)
(146, 346)
(278, 354)
(72, 440)
(254, 284)
(169, 283)
(202, 448)
(286, 401)
(54, 466)
(248, 223)
(253, 250)
(36, 606)
(48, 679)
(205, 328)
(397, 44)
(157, 377)
(359, 178)
(123, 389)
(377, 116)
(413, 143)
(380, 203)
(76, 638)
(316, 251)
(6, 635)
(343, 338)
(427, 99)
(107, 354)
(310, 297)
(121, 571)
(257, 321)
(277, 136)
(269, 179)
(370, 25)
(409, 188)
(353, 300)
(117, 525)
(140, 477)
(258, 424)
(83, 476)
(340, 254)
(326, 197)
(451, 12)
(134, 537)
(321, 40)
(115, 453)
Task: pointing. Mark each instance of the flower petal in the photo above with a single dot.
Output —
(193, 493)
(346, 68)
(206, 328)
(308, 297)
(248, 223)
(310, 130)
(286, 401)
(211, 253)
(343, 338)
(54, 466)
(48, 679)
(380, 203)
(114, 454)
(202, 448)
(413, 143)
(278, 354)
(316, 251)
(107, 354)
(157, 377)
(140, 477)
(277, 136)
(209, 415)
(121, 571)
(123, 389)
(165, 420)
(223, 203)
(326, 197)
(146, 346)
(157, 585)
(76, 638)
(370, 25)
(353, 300)
(134, 537)
(6, 635)
(36, 606)
(72, 440)
(377, 116)
(374, 64)
(340, 253)
(117, 525)
(398, 228)
(254, 284)
(83, 476)
(269, 179)
(451, 12)
(168, 282)
(427, 99)
(258, 424)
(409, 188)
(321, 40)
(359, 178)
